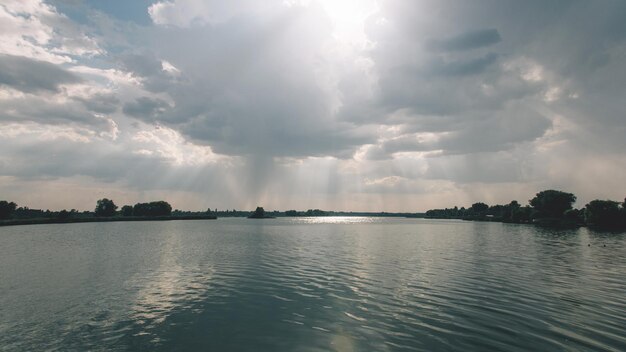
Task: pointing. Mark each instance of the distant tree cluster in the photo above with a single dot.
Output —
(105, 207)
(605, 214)
(547, 207)
(512, 212)
(552, 204)
(127, 210)
(105, 210)
(258, 212)
(310, 212)
(158, 208)
(7, 209)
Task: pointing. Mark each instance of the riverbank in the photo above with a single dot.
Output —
(39, 221)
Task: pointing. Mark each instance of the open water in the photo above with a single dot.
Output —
(311, 284)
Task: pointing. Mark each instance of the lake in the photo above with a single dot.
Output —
(311, 284)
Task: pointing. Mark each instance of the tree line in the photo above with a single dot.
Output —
(104, 208)
(549, 207)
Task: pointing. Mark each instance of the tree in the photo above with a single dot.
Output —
(7, 209)
(315, 212)
(552, 204)
(127, 210)
(575, 216)
(603, 213)
(158, 208)
(64, 214)
(259, 211)
(497, 210)
(105, 207)
(509, 209)
(479, 208)
(521, 214)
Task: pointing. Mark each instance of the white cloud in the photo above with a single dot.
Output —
(185, 13)
(36, 30)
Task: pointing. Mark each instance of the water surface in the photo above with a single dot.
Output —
(311, 284)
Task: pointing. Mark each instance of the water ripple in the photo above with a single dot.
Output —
(341, 284)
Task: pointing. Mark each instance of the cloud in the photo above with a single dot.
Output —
(467, 41)
(73, 152)
(37, 109)
(146, 108)
(426, 103)
(155, 75)
(185, 13)
(35, 29)
(256, 86)
(102, 103)
(28, 75)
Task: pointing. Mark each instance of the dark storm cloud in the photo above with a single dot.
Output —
(434, 76)
(146, 109)
(103, 103)
(29, 75)
(475, 134)
(496, 133)
(42, 111)
(468, 40)
(250, 87)
(478, 167)
(103, 162)
(149, 69)
(462, 67)
(141, 64)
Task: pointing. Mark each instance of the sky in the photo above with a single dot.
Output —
(364, 105)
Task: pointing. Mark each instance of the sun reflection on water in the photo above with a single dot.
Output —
(334, 220)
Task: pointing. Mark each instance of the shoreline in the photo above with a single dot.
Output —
(44, 221)
(48, 221)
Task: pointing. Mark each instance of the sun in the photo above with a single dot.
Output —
(348, 16)
(349, 11)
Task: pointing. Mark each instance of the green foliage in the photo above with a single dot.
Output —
(452, 213)
(105, 207)
(552, 204)
(127, 210)
(259, 211)
(603, 213)
(64, 214)
(503, 212)
(479, 208)
(509, 209)
(158, 208)
(575, 216)
(521, 214)
(7, 209)
(497, 210)
(315, 212)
